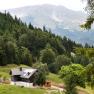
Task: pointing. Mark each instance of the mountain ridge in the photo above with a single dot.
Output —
(57, 18)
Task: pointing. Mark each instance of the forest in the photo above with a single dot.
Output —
(25, 44)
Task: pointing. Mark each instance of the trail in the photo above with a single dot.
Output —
(55, 89)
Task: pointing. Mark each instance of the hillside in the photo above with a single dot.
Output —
(60, 20)
(59, 60)
(21, 44)
(8, 89)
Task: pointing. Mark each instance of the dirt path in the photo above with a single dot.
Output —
(55, 89)
(51, 91)
(82, 92)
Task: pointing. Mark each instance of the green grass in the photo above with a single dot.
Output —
(4, 75)
(88, 90)
(54, 78)
(7, 89)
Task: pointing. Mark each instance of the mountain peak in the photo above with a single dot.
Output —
(59, 19)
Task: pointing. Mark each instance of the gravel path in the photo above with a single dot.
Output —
(55, 90)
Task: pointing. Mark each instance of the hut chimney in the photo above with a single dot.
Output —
(20, 68)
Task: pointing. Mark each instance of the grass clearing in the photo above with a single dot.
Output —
(54, 78)
(88, 90)
(7, 89)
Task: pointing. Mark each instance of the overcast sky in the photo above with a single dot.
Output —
(71, 4)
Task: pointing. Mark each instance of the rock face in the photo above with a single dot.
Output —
(60, 20)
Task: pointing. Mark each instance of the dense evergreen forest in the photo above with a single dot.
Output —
(23, 44)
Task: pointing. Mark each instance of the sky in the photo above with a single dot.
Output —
(71, 4)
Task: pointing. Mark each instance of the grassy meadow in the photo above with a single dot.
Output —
(54, 78)
(7, 89)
